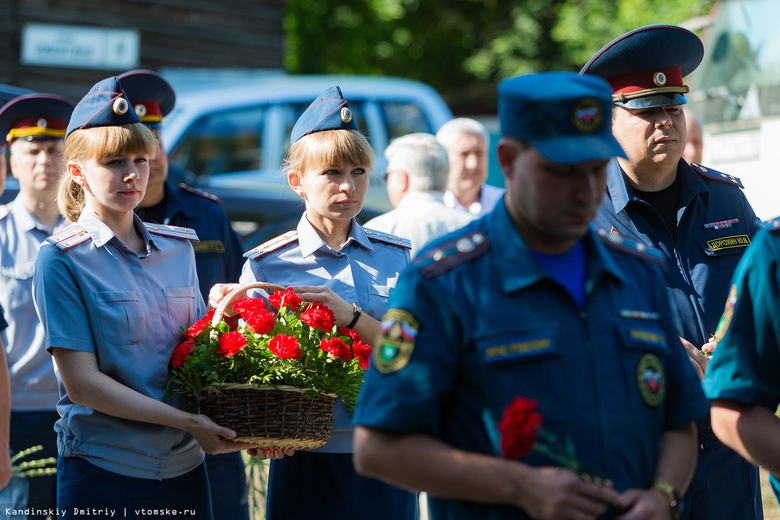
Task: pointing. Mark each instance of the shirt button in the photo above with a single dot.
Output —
(160, 474)
(161, 465)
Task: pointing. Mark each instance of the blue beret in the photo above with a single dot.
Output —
(35, 115)
(330, 111)
(151, 95)
(104, 105)
(646, 66)
(566, 117)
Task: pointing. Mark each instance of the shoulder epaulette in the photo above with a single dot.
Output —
(4, 211)
(715, 175)
(179, 232)
(195, 191)
(272, 245)
(772, 225)
(387, 238)
(451, 253)
(617, 242)
(69, 237)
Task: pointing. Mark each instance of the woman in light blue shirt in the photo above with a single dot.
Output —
(113, 295)
(331, 259)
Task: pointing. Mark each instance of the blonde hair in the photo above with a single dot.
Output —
(329, 147)
(93, 143)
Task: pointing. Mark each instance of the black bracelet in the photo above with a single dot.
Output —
(357, 312)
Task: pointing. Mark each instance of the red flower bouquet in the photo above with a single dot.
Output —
(521, 432)
(281, 341)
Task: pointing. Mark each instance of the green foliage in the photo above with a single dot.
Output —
(463, 48)
(32, 468)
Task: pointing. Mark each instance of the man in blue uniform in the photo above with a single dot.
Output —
(218, 256)
(530, 301)
(743, 378)
(697, 218)
(34, 127)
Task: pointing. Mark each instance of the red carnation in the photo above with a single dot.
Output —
(285, 298)
(182, 352)
(518, 427)
(285, 347)
(232, 321)
(200, 325)
(246, 305)
(336, 348)
(362, 352)
(319, 316)
(351, 334)
(260, 320)
(231, 343)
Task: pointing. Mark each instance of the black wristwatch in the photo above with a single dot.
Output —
(357, 312)
(672, 495)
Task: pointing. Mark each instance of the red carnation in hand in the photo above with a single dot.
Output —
(246, 305)
(319, 316)
(336, 348)
(518, 427)
(200, 325)
(261, 320)
(285, 298)
(231, 343)
(362, 352)
(182, 352)
(285, 347)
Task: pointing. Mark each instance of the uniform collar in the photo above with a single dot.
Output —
(101, 234)
(518, 268)
(310, 241)
(27, 221)
(621, 192)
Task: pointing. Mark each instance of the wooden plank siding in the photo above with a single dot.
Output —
(241, 34)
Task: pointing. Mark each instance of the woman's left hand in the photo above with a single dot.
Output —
(342, 309)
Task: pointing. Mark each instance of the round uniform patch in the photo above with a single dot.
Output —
(650, 380)
(140, 109)
(395, 342)
(728, 312)
(587, 115)
(120, 106)
(346, 115)
(659, 78)
(42, 123)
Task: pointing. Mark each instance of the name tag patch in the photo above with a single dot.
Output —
(730, 242)
(517, 349)
(209, 246)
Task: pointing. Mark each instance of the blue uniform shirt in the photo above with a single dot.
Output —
(364, 271)
(488, 324)
(95, 295)
(33, 383)
(715, 224)
(218, 253)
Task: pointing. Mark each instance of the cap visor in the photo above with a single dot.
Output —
(656, 101)
(572, 150)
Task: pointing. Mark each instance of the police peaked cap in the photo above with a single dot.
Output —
(646, 66)
(105, 104)
(330, 111)
(35, 115)
(151, 95)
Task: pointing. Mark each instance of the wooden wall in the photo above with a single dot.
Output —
(243, 34)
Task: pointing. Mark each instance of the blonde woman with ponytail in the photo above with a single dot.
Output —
(114, 294)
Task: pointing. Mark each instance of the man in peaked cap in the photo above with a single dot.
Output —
(696, 217)
(218, 255)
(34, 126)
(464, 339)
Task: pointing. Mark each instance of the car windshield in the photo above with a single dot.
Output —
(739, 77)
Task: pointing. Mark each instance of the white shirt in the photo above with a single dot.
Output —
(421, 216)
(488, 197)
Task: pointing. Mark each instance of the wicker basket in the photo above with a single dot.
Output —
(281, 417)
